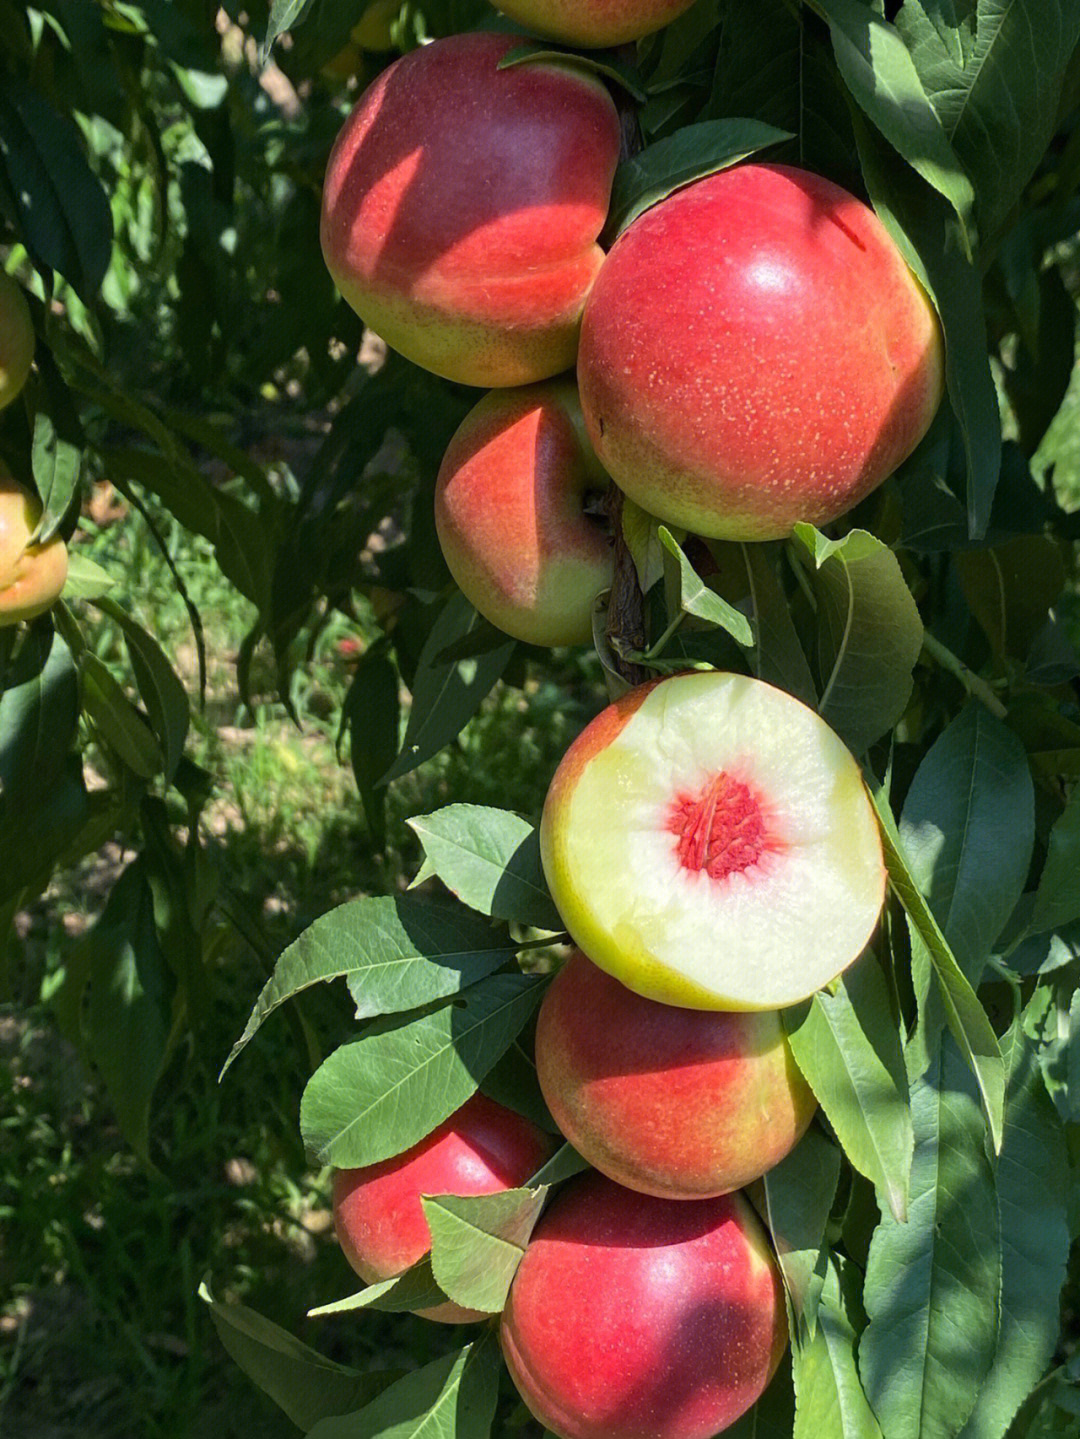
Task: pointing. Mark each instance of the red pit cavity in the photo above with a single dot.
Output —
(721, 830)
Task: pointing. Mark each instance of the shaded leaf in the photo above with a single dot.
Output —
(799, 1193)
(477, 1243)
(829, 1398)
(415, 1289)
(695, 598)
(1057, 899)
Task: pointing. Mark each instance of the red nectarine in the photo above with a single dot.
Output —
(32, 576)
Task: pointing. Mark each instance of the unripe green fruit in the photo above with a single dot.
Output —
(594, 23)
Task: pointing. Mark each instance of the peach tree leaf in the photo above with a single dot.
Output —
(383, 1093)
(396, 953)
(1057, 899)
(933, 1283)
(490, 859)
(829, 1398)
(415, 1289)
(695, 598)
(799, 1193)
(477, 1242)
(451, 1398)
(779, 658)
(869, 632)
(300, 1380)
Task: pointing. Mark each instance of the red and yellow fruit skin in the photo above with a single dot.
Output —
(31, 576)
(16, 340)
(594, 23)
(508, 510)
(462, 206)
(677, 1103)
(379, 1220)
(756, 353)
(639, 1318)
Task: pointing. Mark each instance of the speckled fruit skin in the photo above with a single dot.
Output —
(378, 1218)
(677, 1103)
(508, 510)
(593, 23)
(639, 1318)
(16, 340)
(31, 576)
(756, 352)
(470, 246)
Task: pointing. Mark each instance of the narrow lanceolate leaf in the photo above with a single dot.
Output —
(850, 1056)
(879, 71)
(284, 15)
(1032, 1196)
(302, 1382)
(965, 1016)
(415, 1289)
(695, 597)
(563, 1164)
(39, 711)
(451, 1398)
(388, 1090)
(973, 786)
(779, 658)
(691, 153)
(932, 1284)
(994, 74)
(1057, 899)
(370, 714)
(829, 1398)
(869, 632)
(160, 687)
(477, 1242)
(490, 859)
(799, 1192)
(396, 952)
(446, 693)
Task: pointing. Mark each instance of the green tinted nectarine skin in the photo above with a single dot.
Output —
(594, 23)
(756, 353)
(510, 518)
(678, 1103)
(639, 1318)
(32, 576)
(16, 340)
(462, 207)
(708, 840)
(483, 1148)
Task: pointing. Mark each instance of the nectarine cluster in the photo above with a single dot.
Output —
(753, 352)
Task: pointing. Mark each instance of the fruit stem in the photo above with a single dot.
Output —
(975, 686)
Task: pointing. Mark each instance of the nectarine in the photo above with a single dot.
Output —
(638, 1318)
(481, 1149)
(593, 23)
(708, 840)
(510, 518)
(679, 1103)
(755, 352)
(462, 207)
(31, 576)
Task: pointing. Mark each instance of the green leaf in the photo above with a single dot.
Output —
(490, 859)
(39, 712)
(128, 1015)
(563, 1164)
(397, 952)
(446, 695)
(85, 579)
(161, 689)
(994, 74)
(846, 1045)
(59, 202)
(405, 1293)
(695, 597)
(869, 632)
(116, 720)
(302, 1382)
(965, 1016)
(477, 1243)
(932, 1284)
(829, 1398)
(973, 786)
(284, 16)
(641, 533)
(779, 658)
(1057, 899)
(880, 73)
(1032, 1197)
(799, 1193)
(929, 238)
(371, 713)
(57, 460)
(451, 1398)
(1011, 589)
(691, 153)
(383, 1093)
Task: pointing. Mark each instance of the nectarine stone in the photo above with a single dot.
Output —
(679, 1103)
(639, 1318)
(462, 206)
(756, 352)
(708, 840)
